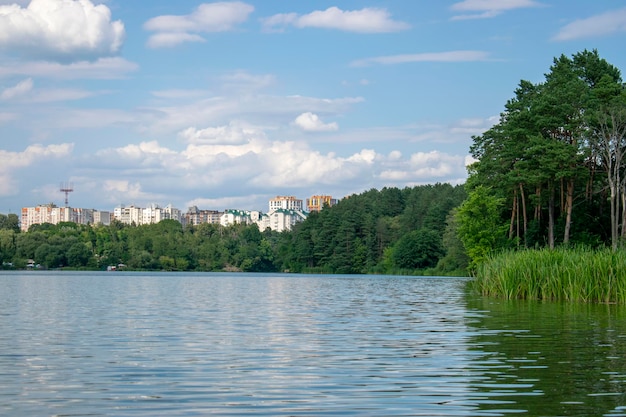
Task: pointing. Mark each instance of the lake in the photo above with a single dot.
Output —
(179, 344)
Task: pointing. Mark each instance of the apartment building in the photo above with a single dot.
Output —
(318, 202)
(148, 215)
(283, 220)
(194, 216)
(284, 213)
(233, 216)
(128, 215)
(50, 213)
(285, 203)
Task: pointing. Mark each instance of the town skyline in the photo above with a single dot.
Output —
(282, 214)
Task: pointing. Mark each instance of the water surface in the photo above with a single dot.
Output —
(137, 344)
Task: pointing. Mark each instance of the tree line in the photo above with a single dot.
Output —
(551, 172)
(379, 231)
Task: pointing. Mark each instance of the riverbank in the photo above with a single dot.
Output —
(573, 274)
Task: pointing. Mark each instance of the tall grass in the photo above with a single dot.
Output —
(567, 274)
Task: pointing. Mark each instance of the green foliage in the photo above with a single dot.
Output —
(455, 262)
(568, 274)
(418, 249)
(554, 155)
(479, 226)
(8, 238)
(10, 222)
(379, 231)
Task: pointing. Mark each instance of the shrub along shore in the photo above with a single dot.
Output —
(565, 274)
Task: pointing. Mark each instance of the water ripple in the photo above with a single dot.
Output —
(217, 344)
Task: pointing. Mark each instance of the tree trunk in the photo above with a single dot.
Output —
(513, 212)
(521, 191)
(551, 217)
(569, 203)
(614, 212)
(537, 215)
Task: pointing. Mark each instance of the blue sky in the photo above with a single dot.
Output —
(228, 104)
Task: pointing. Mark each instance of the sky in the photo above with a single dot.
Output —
(224, 105)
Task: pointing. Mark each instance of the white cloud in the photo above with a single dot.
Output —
(427, 166)
(599, 25)
(168, 40)
(450, 56)
(102, 68)
(222, 135)
(123, 192)
(483, 9)
(366, 20)
(259, 165)
(67, 30)
(311, 122)
(22, 88)
(208, 17)
(11, 162)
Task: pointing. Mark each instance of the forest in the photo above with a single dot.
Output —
(400, 231)
(551, 172)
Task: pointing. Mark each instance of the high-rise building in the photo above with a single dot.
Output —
(285, 203)
(50, 213)
(318, 202)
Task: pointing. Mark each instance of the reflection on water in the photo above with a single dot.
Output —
(573, 355)
(121, 344)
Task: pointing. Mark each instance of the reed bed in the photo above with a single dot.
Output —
(565, 274)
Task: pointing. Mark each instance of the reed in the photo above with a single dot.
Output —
(567, 274)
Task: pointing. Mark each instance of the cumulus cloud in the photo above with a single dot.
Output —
(173, 30)
(449, 56)
(11, 162)
(226, 159)
(366, 20)
(595, 26)
(311, 122)
(19, 90)
(66, 30)
(484, 9)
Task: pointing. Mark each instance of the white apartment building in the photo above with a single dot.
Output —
(282, 220)
(285, 203)
(149, 215)
(50, 213)
(231, 216)
(172, 213)
(128, 215)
